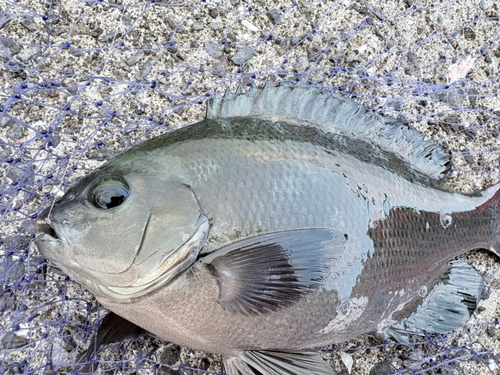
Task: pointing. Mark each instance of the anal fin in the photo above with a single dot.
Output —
(276, 362)
(447, 307)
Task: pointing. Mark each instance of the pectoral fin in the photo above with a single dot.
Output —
(276, 362)
(271, 271)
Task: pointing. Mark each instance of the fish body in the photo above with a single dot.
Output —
(259, 233)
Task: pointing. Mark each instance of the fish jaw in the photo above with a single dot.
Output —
(171, 266)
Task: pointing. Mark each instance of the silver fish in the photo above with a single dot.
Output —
(290, 218)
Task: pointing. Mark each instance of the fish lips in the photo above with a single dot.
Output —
(47, 230)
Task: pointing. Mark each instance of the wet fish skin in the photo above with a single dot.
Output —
(229, 210)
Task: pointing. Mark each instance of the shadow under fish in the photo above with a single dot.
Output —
(290, 218)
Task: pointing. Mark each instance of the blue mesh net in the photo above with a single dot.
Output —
(83, 80)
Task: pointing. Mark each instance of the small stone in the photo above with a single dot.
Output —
(197, 26)
(127, 20)
(249, 26)
(76, 52)
(12, 46)
(383, 368)
(111, 36)
(472, 95)
(214, 13)
(274, 16)
(194, 44)
(5, 152)
(214, 26)
(172, 48)
(467, 156)
(55, 141)
(135, 58)
(490, 331)
(10, 341)
(242, 55)
(16, 132)
(29, 23)
(231, 37)
(361, 9)
(125, 141)
(96, 32)
(204, 364)
(376, 11)
(488, 59)
(235, 2)
(469, 34)
(181, 55)
(213, 50)
(145, 68)
(29, 53)
(170, 357)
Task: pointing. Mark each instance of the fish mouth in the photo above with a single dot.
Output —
(46, 232)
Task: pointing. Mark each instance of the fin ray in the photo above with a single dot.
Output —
(264, 273)
(447, 307)
(334, 113)
(276, 362)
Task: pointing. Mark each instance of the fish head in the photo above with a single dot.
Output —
(123, 235)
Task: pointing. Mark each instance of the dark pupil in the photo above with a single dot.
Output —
(109, 196)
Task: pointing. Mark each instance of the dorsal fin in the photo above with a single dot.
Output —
(333, 113)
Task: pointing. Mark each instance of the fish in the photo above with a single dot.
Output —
(288, 219)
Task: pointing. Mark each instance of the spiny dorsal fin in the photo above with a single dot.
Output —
(333, 113)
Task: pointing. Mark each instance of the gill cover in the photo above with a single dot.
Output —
(123, 237)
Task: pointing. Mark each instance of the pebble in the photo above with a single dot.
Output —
(213, 50)
(5, 152)
(214, 26)
(214, 12)
(469, 34)
(12, 46)
(135, 58)
(242, 55)
(29, 23)
(197, 25)
(127, 20)
(11, 341)
(16, 132)
(111, 36)
(383, 368)
(376, 11)
(172, 48)
(274, 16)
(29, 53)
(249, 25)
(76, 52)
(146, 67)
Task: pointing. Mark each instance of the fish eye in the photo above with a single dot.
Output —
(109, 194)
